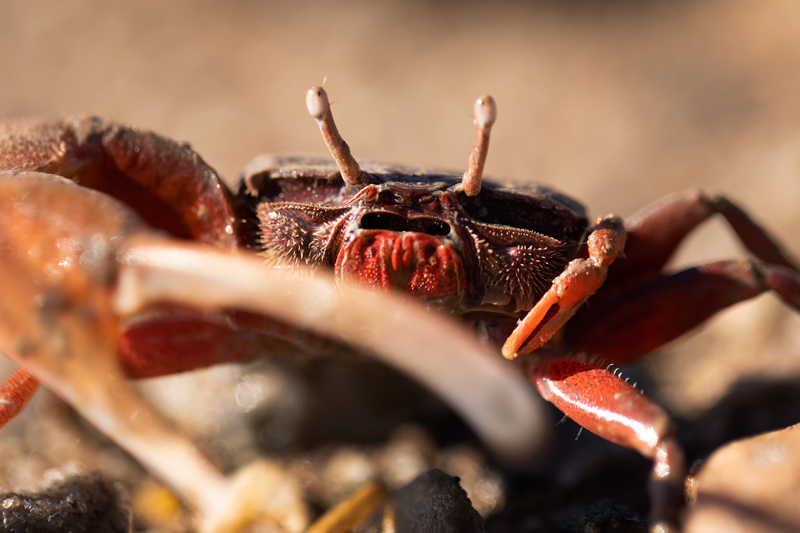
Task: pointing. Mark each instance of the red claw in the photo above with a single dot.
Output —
(569, 290)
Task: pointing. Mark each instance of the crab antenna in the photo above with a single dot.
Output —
(485, 115)
(320, 109)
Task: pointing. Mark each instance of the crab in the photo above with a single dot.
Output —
(125, 256)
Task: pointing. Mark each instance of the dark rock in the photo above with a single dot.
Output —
(85, 503)
(436, 503)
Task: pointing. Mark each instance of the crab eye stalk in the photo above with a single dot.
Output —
(485, 115)
(320, 109)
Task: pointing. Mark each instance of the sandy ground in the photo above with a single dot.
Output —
(617, 104)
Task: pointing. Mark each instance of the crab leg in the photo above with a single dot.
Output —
(90, 379)
(15, 393)
(621, 310)
(620, 328)
(601, 402)
(57, 273)
(165, 182)
(655, 232)
(569, 290)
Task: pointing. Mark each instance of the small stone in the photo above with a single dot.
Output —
(435, 503)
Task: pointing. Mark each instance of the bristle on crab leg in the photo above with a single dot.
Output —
(485, 115)
(491, 396)
(320, 109)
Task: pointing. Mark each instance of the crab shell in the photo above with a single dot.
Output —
(413, 231)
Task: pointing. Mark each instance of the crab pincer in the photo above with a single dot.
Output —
(569, 290)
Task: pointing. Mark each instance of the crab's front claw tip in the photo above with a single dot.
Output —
(509, 352)
(569, 292)
(259, 493)
(529, 328)
(522, 344)
(510, 349)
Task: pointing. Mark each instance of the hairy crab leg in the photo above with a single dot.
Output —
(618, 329)
(442, 355)
(15, 393)
(608, 406)
(569, 290)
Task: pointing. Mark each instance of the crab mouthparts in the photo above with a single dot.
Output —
(400, 224)
(423, 265)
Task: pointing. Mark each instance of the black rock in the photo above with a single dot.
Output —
(436, 503)
(85, 503)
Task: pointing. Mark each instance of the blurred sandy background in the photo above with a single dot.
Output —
(615, 102)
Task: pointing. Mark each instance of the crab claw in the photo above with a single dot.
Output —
(569, 290)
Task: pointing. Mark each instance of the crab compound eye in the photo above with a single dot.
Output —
(317, 102)
(485, 112)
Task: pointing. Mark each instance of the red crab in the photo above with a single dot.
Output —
(106, 283)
